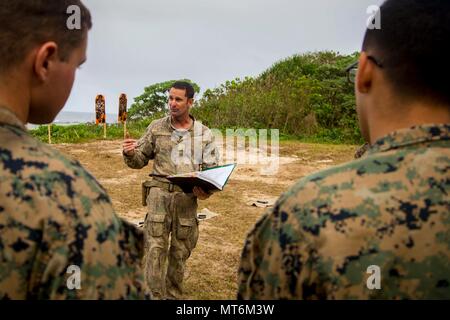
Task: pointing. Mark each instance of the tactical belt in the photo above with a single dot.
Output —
(166, 186)
(147, 185)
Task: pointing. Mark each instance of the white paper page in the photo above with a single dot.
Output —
(218, 175)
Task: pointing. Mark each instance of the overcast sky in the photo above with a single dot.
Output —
(136, 43)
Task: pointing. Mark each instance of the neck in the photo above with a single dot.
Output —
(406, 116)
(182, 122)
(14, 97)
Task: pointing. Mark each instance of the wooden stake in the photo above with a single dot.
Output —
(125, 130)
(49, 126)
(104, 130)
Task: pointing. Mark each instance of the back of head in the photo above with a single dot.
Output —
(413, 47)
(29, 23)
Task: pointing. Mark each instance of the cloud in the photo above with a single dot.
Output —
(136, 43)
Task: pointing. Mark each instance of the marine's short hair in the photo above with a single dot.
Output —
(28, 23)
(183, 85)
(413, 47)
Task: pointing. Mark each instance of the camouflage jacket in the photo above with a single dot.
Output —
(57, 223)
(383, 218)
(174, 151)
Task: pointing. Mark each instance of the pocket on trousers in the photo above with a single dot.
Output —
(185, 228)
(157, 225)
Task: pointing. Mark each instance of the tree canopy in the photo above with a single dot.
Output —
(154, 99)
(305, 95)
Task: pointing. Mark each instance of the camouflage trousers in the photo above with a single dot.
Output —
(172, 217)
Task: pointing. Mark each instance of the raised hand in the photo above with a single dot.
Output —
(129, 145)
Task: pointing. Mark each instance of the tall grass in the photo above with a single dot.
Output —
(89, 131)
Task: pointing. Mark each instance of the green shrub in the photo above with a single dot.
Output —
(305, 95)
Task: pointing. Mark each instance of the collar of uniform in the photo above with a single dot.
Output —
(8, 117)
(413, 135)
(169, 121)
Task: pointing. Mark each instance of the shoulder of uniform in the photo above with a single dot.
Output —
(159, 124)
(204, 126)
(26, 152)
(204, 129)
(316, 182)
(309, 187)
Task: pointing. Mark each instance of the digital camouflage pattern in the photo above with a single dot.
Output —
(390, 208)
(174, 213)
(54, 214)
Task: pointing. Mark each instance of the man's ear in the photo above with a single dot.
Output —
(190, 101)
(46, 55)
(364, 76)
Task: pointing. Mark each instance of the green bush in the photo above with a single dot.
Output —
(307, 96)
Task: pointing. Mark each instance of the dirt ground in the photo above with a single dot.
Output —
(211, 271)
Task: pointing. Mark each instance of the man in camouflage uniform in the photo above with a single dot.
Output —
(379, 226)
(59, 235)
(177, 144)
